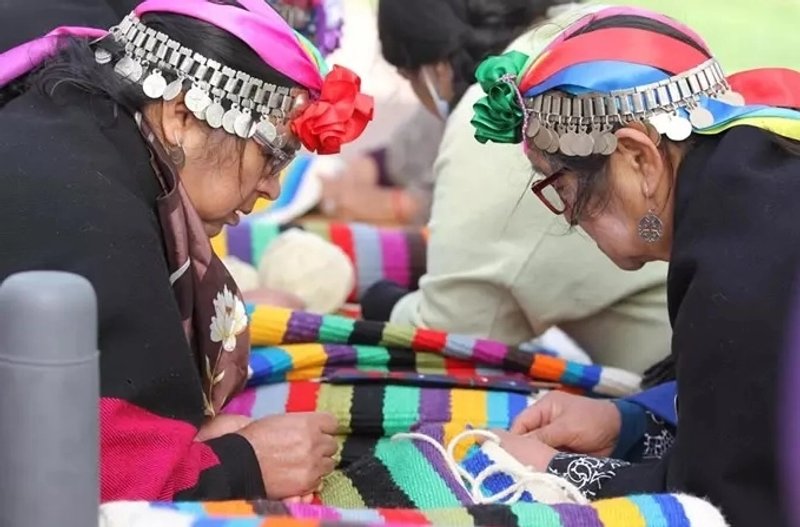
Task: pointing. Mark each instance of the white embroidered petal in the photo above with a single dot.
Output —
(229, 344)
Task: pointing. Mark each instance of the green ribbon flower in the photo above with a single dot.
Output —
(499, 116)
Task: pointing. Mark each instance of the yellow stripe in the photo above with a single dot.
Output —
(219, 244)
(261, 204)
(619, 512)
(782, 126)
(268, 325)
(308, 360)
(468, 407)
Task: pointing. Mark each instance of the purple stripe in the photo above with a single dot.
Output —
(395, 257)
(490, 352)
(242, 404)
(438, 463)
(317, 512)
(302, 328)
(338, 356)
(434, 411)
(239, 242)
(578, 515)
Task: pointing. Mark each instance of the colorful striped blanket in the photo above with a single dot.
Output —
(670, 510)
(380, 380)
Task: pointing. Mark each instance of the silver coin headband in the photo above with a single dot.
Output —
(583, 125)
(221, 96)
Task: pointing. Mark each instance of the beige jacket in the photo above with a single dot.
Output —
(500, 265)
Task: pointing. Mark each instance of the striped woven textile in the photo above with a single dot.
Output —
(394, 254)
(331, 341)
(379, 380)
(670, 510)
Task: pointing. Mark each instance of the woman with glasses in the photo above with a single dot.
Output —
(123, 152)
(644, 143)
(498, 265)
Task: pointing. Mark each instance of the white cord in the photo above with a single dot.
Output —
(545, 488)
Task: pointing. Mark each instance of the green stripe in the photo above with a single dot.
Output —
(335, 330)
(372, 358)
(413, 473)
(400, 408)
(397, 336)
(431, 364)
(339, 489)
(321, 229)
(452, 517)
(262, 234)
(536, 514)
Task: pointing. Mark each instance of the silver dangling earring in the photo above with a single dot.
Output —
(651, 228)
(176, 153)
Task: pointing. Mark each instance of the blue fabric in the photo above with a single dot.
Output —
(660, 401)
(634, 423)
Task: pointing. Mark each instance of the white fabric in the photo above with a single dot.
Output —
(244, 274)
(545, 488)
(316, 271)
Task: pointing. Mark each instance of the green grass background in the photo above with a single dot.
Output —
(742, 34)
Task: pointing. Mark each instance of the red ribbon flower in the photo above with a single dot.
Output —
(339, 115)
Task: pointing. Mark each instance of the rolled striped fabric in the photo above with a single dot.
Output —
(377, 253)
(668, 510)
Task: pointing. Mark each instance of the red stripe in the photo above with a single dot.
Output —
(428, 340)
(144, 456)
(302, 396)
(404, 517)
(768, 86)
(459, 368)
(342, 236)
(637, 46)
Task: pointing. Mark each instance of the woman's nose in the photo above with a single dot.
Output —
(270, 187)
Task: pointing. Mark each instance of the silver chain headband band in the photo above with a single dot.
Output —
(220, 96)
(583, 125)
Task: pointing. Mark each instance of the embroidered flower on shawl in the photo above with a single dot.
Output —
(229, 320)
(339, 115)
(498, 116)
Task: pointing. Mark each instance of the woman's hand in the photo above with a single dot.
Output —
(294, 451)
(221, 425)
(527, 449)
(572, 423)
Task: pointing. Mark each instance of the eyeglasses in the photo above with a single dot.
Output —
(279, 158)
(547, 193)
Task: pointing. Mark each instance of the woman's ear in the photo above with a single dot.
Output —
(643, 156)
(175, 120)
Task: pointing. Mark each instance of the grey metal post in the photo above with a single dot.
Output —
(49, 389)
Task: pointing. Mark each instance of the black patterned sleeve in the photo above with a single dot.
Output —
(585, 472)
(657, 439)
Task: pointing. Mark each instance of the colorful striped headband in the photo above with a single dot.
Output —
(585, 84)
(221, 96)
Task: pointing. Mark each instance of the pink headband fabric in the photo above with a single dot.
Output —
(258, 26)
(21, 59)
(621, 11)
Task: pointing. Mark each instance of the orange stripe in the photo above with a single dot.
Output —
(547, 368)
(235, 509)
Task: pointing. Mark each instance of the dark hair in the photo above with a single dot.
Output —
(414, 33)
(593, 192)
(75, 65)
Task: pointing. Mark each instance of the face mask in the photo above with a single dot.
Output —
(442, 106)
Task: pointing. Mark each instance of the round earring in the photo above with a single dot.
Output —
(176, 153)
(651, 228)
